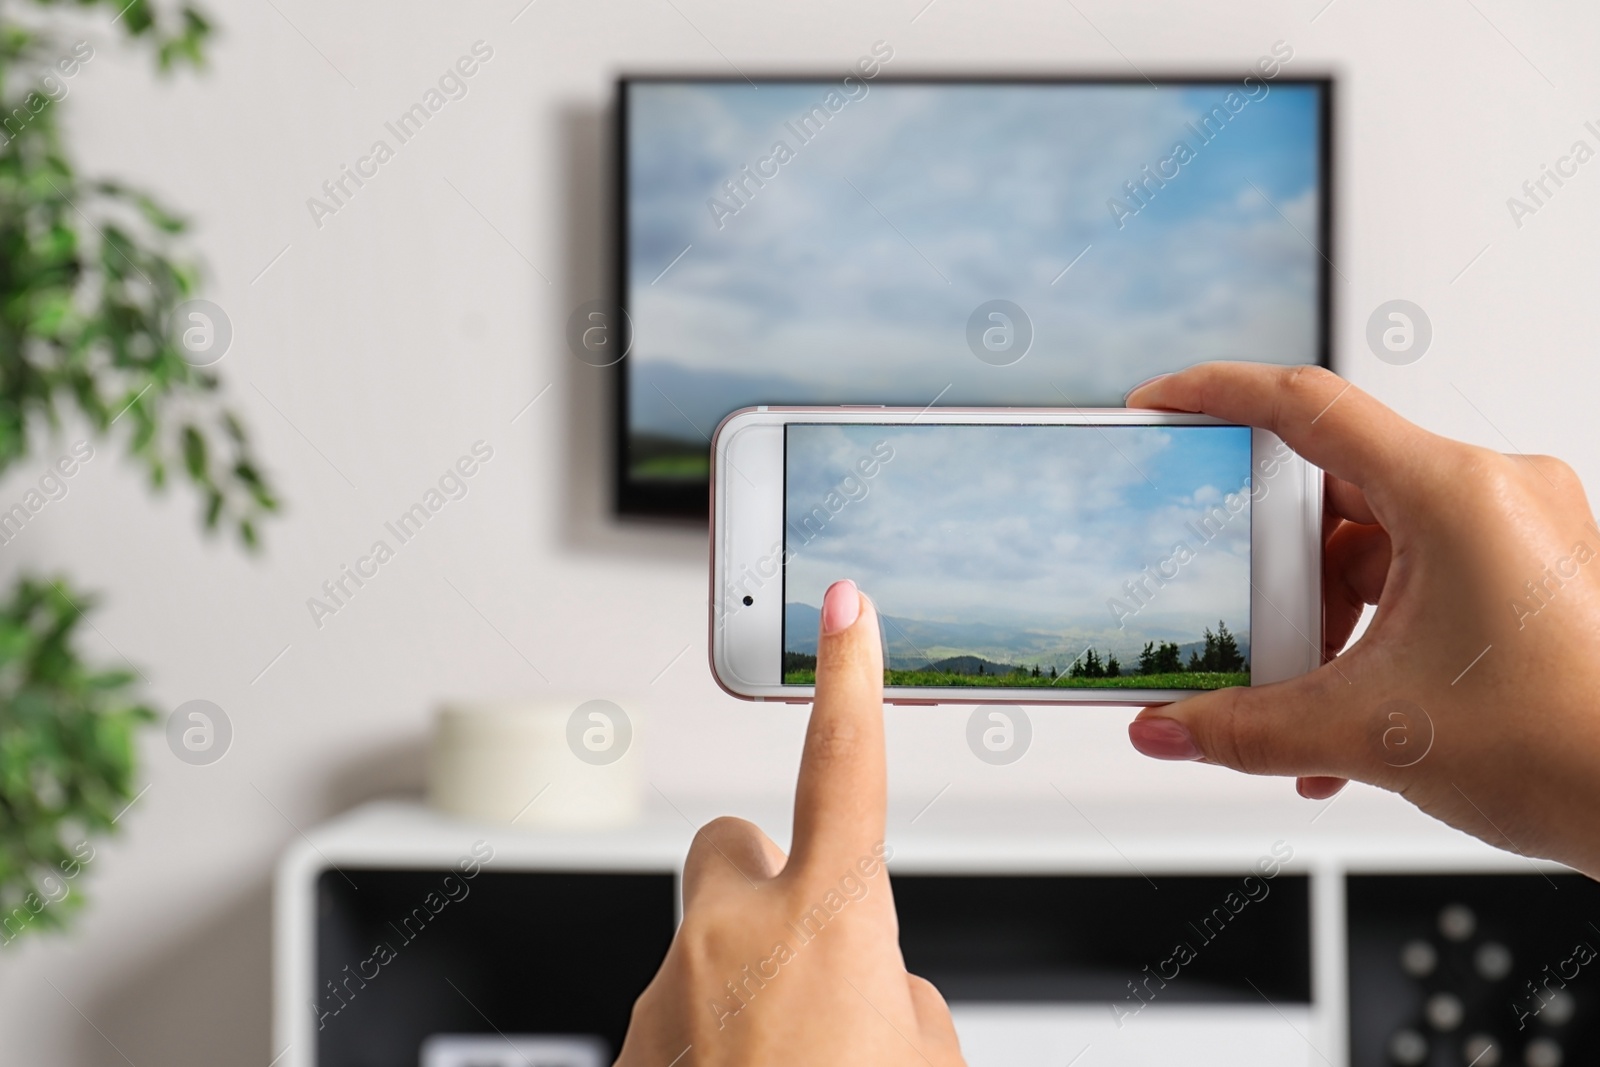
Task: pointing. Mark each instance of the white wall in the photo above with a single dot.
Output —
(407, 327)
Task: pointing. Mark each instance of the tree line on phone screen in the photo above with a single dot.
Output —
(1218, 661)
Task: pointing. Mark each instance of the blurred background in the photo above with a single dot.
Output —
(374, 346)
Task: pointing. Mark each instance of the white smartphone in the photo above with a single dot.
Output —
(1016, 556)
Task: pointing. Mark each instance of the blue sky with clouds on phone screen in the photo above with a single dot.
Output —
(849, 277)
(1024, 527)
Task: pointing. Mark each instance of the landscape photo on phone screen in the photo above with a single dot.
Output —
(1011, 556)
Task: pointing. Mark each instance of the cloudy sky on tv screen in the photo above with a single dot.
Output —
(864, 229)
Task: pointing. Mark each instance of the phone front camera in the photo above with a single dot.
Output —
(749, 600)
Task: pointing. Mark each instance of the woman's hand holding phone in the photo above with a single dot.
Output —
(796, 959)
(1475, 692)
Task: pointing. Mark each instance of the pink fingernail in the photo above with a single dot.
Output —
(1163, 739)
(840, 606)
(1319, 788)
(1141, 385)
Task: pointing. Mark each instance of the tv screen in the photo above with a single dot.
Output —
(952, 242)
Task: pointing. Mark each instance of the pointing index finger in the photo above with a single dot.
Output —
(842, 791)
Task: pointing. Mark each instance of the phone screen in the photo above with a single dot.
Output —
(1019, 556)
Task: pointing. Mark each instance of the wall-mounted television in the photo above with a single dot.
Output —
(955, 241)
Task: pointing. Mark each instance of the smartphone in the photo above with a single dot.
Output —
(1015, 556)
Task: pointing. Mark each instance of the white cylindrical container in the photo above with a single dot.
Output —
(549, 763)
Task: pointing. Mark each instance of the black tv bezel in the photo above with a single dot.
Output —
(691, 501)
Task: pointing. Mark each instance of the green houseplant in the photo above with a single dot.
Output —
(90, 281)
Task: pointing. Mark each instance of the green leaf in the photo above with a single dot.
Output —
(194, 453)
